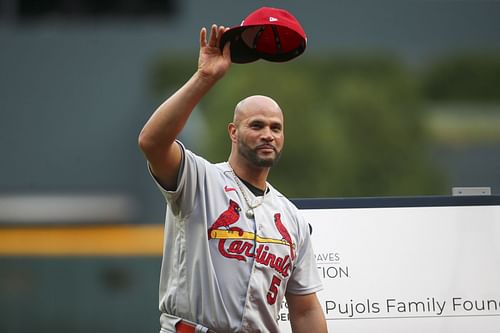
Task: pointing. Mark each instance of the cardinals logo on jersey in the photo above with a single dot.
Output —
(230, 216)
(284, 233)
(236, 243)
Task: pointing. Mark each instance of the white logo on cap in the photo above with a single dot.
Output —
(272, 19)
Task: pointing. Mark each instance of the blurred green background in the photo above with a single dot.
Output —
(391, 98)
(361, 124)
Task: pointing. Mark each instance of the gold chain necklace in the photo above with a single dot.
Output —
(250, 210)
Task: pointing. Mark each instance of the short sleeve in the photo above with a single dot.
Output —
(191, 172)
(305, 277)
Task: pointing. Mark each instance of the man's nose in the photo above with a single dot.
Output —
(267, 134)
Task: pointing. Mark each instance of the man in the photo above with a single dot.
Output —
(234, 246)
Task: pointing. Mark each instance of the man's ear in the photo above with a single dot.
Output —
(232, 129)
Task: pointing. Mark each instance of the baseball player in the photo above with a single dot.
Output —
(234, 246)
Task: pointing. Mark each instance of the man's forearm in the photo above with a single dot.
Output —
(308, 322)
(170, 117)
(306, 314)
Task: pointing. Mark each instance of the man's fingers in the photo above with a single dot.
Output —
(220, 31)
(203, 37)
(215, 35)
(212, 41)
(226, 53)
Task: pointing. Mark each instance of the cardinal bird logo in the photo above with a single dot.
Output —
(284, 233)
(226, 218)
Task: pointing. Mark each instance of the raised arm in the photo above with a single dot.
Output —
(157, 138)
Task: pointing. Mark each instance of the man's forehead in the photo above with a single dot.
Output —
(264, 118)
(257, 107)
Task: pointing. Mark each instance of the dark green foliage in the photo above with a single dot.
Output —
(466, 77)
(354, 127)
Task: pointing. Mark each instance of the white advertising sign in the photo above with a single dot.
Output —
(408, 269)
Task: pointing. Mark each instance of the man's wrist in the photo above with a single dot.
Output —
(206, 78)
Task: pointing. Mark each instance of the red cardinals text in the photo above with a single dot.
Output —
(241, 250)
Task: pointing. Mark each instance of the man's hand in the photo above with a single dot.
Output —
(212, 63)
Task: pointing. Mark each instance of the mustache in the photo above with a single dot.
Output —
(266, 146)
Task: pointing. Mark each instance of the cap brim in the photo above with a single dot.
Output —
(242, 53)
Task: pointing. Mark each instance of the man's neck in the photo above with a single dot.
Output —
(255, 176)
(255, 190)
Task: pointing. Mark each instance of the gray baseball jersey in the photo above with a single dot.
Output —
(222, 269)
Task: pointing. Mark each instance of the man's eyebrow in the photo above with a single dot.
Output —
(256, 122)
(262, 122)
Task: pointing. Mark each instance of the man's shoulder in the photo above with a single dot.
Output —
(204, 166)
(283, 199)
(194, 156)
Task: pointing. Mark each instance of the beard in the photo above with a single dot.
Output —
(252, 155)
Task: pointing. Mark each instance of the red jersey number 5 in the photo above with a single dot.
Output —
(272, 294)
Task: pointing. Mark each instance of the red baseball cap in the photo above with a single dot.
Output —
(269, 33)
